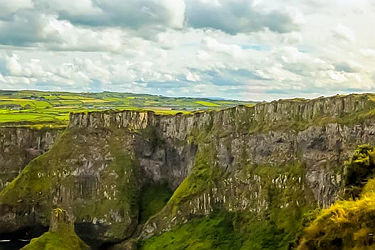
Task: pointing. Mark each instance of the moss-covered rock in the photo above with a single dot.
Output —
(18, 146)
(212, 232)
(345, 225)
(358, 169)
(348, 224)
(263, 164)
(93, 172)
(265, 204)
(61, 235)
(154, 196)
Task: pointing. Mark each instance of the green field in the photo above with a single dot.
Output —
(51, 109)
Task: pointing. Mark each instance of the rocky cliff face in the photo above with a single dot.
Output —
(20, 145)
(282, 157)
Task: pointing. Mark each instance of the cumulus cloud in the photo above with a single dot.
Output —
(25, 29)
(133, 14)
(348, 67)
(237, 16)
(10, 7)
(368, 52)
(232, 16)
(83, 8)
(344, 33)
(46, 31)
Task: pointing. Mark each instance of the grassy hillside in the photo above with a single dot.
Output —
(348, 224)
(37, 108)
(61, 235)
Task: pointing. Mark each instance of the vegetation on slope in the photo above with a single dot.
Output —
(61, 240)
(276, 227)
(213, 232)
(348, 224)
(200, 179)
(153, 197)
(50, 175)
(60, 236)
(232, 230)
(357, 170)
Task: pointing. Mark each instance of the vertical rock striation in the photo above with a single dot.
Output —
(274, 156)
(20, 145)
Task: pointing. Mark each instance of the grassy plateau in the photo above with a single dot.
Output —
(51, 109)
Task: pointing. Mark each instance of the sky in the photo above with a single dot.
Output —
(236, 49)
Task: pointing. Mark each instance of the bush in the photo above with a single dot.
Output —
(358, 169)
(348, 224)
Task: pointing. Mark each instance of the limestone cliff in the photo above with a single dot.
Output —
(20, 145)
(275, 159)
(349, 223)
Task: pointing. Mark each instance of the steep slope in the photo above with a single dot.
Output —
(94, 171)
(348, 224)
(20, 145)
(87, 171)
(264, 167)
(276, 176)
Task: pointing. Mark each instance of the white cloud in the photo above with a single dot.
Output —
(10, 7)
(133, 14)
(236, 16)
(193, 77)
(71, 7)
(368, 52)
(344, 33)
(211, 44)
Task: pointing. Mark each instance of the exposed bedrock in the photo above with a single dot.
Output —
(230, 158)
(20, 145)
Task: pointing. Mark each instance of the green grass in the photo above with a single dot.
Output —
(28, 108)
(153, 199)
(60, 236)
(201, 177)
(56, 240)
(214, 232)
(208, 104)
(348, 224)
(230, 230)
(274, 227)
(37, 181)
(345, 225)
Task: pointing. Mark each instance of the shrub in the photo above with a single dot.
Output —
(358, 169)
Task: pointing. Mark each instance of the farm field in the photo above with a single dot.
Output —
(51, 109)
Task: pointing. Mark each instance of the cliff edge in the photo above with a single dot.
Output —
(255, 164)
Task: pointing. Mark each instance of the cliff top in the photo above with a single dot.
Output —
(292, 101)
(292, 114)
(51, 109)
